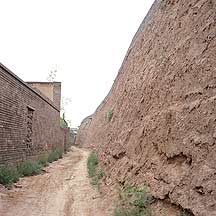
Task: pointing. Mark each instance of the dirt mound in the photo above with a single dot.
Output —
(158, 123)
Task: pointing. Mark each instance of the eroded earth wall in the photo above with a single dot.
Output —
(162, 131)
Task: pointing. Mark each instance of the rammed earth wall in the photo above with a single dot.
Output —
(163, 129)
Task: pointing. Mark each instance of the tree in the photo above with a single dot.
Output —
(52, 75)
(65, 101)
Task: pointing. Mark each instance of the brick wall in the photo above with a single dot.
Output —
(29, 122)
(57, 94)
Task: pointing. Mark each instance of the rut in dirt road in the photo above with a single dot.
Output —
(64, 190)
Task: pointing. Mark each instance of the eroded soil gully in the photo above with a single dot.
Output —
(63, 190)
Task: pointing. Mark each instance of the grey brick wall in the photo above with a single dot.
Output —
(29, 122)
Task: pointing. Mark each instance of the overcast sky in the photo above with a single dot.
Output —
(84, 40)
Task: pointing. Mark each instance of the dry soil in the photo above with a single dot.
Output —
(63, 190)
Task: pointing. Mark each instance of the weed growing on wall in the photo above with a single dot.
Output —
(134, 201)
(110, 115)
(185, 213)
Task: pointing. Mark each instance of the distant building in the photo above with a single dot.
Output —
(51, 90)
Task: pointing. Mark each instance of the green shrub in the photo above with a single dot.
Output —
(142, 199)
(8, 175)
(60, 152)
(100, 174)
(97, 177)
(63, 123)
(134, 202)
(55, 155)
(92, 164)
(29, 168)
(43, 160)
(185, 213)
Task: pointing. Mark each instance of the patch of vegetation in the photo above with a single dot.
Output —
(29, 168)
(96, 179)
(134, 201)
(110, 115)
(63, 123)
(185, 213)
(92, 164)
(55, 155)
(94, 172)
(60, 152)
(43, 160)
(8, 175)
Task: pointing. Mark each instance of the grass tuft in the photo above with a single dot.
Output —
(110, 115)
(29, 168)
(60, 152)
(98, 176)
(55, 155)
(94, 172)
(8, 175)
(43, 160)
(92, 164)
(134, 201)
(185, 213)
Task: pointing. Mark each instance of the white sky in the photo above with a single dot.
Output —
(84, 40)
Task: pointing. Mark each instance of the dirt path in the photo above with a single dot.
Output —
(64, 190)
